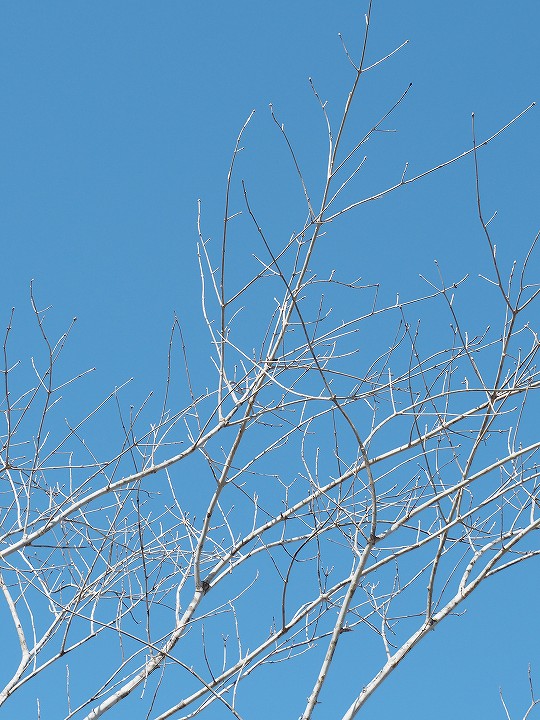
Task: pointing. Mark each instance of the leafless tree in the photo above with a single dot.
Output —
(349, 478)
(533, 703)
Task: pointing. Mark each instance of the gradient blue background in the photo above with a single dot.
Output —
(117, 116)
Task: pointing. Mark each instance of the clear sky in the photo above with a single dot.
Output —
(117, 116)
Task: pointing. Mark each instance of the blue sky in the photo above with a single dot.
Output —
(118, 116)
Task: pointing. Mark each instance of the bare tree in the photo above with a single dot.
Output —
(534, 700)
(315, 488)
